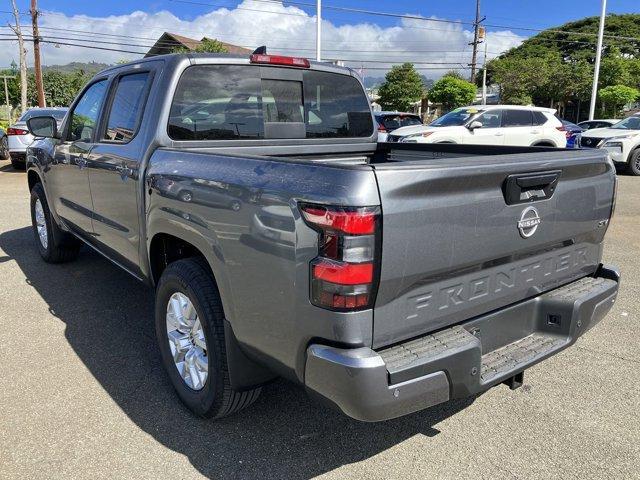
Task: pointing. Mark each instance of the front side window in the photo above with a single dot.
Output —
(517, 118)
(490, 119)
(225, 102)
(85, 114)
(126, 108)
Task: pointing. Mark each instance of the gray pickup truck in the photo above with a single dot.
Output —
(282, 240)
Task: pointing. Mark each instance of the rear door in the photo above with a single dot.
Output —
(519, 128)
(113, 166)
(456, 243)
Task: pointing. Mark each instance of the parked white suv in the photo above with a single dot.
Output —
(622, 141)
(490, 125)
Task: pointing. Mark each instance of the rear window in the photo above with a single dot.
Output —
(391, 122)
(227, 102)
(539, 118)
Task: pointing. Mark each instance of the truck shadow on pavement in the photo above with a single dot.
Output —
(109, 323)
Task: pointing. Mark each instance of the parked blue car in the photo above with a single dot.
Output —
(573, 133)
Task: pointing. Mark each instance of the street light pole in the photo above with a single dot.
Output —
(318, 29)
(596, 70)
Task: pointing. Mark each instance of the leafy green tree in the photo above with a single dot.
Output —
(401, 88)
(519, 78)
(207, 45)
(452, 92)
(614, 70)
(618, 96)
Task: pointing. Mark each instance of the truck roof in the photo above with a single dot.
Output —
(227, 58)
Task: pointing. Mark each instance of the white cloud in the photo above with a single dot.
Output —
(288, 30)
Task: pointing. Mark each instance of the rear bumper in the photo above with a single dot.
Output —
(459, 361)
(18, 157)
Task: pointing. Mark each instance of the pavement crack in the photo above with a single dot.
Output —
(609, 354)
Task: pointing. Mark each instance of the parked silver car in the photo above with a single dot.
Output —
(18, 135)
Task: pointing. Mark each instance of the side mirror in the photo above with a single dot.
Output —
(43, 127)
(473, 125)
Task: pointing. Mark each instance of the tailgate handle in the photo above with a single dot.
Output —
(529, 187)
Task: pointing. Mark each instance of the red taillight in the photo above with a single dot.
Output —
(16, 131)
(280, 60)
(360, 221)
(343, 275)
(567, 133)
(381, 129)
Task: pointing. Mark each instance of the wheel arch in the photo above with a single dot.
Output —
(632, 152)
(32, 178)
(165, 248)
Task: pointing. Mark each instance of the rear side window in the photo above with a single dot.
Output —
(517, 118)
(225, 102)
(126, 107)
(539, 118)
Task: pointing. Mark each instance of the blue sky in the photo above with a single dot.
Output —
(536, 14)
(125, 29)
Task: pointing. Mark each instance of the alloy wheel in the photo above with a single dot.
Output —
(41, 224)
(187, 341)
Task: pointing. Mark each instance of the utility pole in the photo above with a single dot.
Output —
(36, 53)
(23, 57)
(483, 36)
(318, 30)
(596, 70)
(474, 55)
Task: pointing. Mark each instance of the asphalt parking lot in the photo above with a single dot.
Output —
(83, 393)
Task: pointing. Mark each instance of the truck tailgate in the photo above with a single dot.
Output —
(459, 239)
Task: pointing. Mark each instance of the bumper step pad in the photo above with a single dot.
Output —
(524, 351)
(426, 348)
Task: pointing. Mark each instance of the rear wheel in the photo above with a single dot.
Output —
(633, 167)
(190, 331)
(54, 245)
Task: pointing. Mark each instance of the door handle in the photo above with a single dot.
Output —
(535, 131)
(499, 134)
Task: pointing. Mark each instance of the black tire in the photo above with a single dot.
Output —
(4, 148)
(61, 246)
(216, 399)
(633, 167)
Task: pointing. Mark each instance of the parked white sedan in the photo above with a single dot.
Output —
(490, 125)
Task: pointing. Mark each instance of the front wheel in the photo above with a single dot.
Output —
(634, 163)
(54, 245)
(4, 148)
(190, 332)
